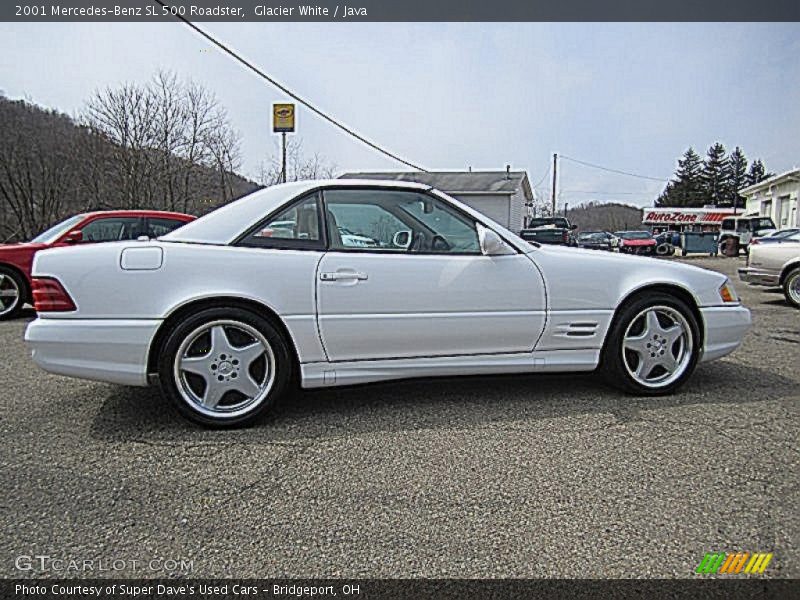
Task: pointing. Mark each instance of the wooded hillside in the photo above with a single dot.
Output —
(166, 145)
(594, 216)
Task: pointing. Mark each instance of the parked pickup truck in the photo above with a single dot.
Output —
(550, 230)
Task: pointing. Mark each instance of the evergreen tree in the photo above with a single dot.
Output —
(738, 176)
(716, 175)
(666, 197)
(688, 185)
(717, 180)
(757, 173)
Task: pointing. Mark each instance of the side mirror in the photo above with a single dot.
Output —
(491, 243)
(402, 239)
(573, 227)
(74, 237)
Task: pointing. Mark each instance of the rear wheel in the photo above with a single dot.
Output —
(13, 292)
(653, 345)
(791, 287)
(224, 367)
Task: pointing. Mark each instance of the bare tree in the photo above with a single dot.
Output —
(298, 166)
(168, 144)
(168, 135)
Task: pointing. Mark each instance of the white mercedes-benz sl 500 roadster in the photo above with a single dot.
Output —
(230, 309)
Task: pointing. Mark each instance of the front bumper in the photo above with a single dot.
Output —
(758, 276)
(114, 351)
(725, 327)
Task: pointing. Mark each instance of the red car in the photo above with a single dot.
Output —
(636, 242)
(107, 226)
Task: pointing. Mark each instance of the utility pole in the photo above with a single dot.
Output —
(555, 167)
(566, 207)
(283, 158)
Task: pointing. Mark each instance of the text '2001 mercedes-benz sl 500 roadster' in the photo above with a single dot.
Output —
(228, 310)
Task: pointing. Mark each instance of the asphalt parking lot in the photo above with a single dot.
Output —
(535, 476)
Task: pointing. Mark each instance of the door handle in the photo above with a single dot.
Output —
(343, 276)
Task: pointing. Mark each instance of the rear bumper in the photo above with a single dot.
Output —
(725, 327)
(114, 351)
(759, 276)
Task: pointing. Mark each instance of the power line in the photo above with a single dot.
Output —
(541, 181)
(291, 94)
(588, 164)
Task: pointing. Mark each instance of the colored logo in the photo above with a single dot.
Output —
(738, 562)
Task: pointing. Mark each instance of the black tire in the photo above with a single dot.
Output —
(175, 389)
(613, 361)
(10, 279)
(791, 287)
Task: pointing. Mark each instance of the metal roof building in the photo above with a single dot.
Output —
(500, 195)
(776, 197)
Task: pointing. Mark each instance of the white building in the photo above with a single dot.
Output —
(775, 197)
(503, 196)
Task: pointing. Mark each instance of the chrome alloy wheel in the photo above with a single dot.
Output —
(224, 368)
(657, 346)
(793, 288)
(9, 294)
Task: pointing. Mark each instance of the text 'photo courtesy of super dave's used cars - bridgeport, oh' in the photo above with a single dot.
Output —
(274, 290)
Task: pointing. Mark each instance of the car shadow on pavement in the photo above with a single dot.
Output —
(26, 314)
(474, 402)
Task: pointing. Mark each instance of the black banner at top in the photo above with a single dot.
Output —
(400, 10)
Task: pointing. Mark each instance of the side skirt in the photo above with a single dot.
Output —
(328, 374)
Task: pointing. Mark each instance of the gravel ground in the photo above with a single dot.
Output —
(545, 476)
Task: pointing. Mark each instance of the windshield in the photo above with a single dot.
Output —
(786, 233)
(556, 221)
(56, 231)
(634, 235)
(763, 223)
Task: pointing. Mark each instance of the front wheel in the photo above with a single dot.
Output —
(653, 345)
(224, 367)
(791, 288)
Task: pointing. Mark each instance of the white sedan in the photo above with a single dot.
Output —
(225, 317)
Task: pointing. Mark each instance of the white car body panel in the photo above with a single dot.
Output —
(541, 309)
(429, 305)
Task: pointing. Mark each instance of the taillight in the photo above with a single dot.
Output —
(565, 237)
(50, 296)
(754, 241)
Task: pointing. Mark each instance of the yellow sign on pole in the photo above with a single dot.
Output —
(282, 118)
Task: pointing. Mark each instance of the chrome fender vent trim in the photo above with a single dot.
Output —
(576, 329)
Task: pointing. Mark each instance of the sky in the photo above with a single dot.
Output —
(449, 96)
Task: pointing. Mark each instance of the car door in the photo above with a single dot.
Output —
(417, 285)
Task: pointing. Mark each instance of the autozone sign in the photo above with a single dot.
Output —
(686, 216)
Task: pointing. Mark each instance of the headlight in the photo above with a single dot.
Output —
(727, 293)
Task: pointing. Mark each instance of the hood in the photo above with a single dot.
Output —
(625, 261)
(20, 246)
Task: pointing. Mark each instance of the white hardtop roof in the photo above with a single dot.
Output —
(228, 222)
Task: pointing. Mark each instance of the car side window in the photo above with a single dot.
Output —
(158, 226)
(112, 229)
(297, 227)
(397, 221)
